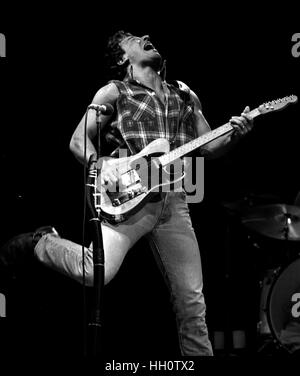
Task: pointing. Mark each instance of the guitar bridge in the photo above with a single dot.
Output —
(127, 196)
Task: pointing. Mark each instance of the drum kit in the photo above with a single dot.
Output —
(279, 307)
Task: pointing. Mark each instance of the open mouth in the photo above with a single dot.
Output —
(148, 46)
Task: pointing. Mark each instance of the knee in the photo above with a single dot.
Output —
(46, 247)
(39, 253)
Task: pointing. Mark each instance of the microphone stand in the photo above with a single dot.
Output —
(93, 200)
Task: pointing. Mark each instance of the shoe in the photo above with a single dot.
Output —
(19, 250)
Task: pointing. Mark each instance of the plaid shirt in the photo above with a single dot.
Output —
(141, 117)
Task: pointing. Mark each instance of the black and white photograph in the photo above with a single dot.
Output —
(150, 187)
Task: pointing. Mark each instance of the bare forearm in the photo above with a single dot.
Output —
(89, 126)
(220, 146)
(77, 147)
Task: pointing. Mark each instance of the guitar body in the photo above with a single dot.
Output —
(140, 177)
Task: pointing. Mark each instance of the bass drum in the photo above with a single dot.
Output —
(283, 307)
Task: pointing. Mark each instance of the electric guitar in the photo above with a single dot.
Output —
(155, 169)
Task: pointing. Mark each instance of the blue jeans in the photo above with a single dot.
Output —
(168, 226)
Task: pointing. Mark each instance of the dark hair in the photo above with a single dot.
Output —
(114, 53)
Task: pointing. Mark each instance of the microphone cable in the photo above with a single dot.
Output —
(84, 299)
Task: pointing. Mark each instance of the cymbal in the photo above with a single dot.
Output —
(279, 221)
(249, 200)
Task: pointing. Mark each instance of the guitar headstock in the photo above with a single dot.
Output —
(277, 104)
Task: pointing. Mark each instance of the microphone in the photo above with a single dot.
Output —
(105, 109)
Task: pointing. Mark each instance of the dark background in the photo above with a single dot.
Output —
(53, 68)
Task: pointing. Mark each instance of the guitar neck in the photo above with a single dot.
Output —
(200, 141)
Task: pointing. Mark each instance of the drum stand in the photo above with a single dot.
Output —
(230, 341)
(263, 328)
